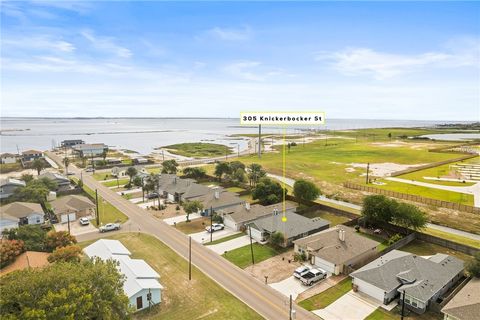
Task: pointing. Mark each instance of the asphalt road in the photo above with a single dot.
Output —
(260, 297)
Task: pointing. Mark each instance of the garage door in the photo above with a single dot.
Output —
(64, 218)
(369, 289)
(229, 223)
(329, 267)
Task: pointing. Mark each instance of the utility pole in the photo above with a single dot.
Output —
(290, 307)
(251, 243)
(368, 169)
(68, 219)
(98, 212)
(189, 258)
(259, 141)
(226, 153)
(211, 224)
(118, 185)
(403, 304)
(238, 150)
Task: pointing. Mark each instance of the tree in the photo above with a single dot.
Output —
(131, 172)
(192, 207)
(222, 168)
(169, 166)
(32, 235)
(238, 176)
(473, 266)
(92, 289)
(138, 182)
(268, 192)
(409, 216)
(235, 165)
(305, 190)
(377, 208)
(9, 250)
(256, 172)
(39, 165)
(277, 239)
(66, 162)
(65, 254)
(34, 191)
(57, 239)
(194, 172)
(104, 154)
(26, 177)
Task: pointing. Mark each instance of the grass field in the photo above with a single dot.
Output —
(422, 248)
(328, 296)
(242, 257)
(231, 237)
(199, 149)
(453, 237)
(107, 212)
(334, 219)
(10, 167)
(195, 225)
(113, 183)
(102, 176)
(426, 192)
(235, 189)
(201, 298)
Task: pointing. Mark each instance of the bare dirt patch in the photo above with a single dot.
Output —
(383, 169)
(276, 268)
(168, 212)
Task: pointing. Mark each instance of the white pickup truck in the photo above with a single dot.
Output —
(109, 227)
(314, 275)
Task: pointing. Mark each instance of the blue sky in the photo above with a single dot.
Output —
(376, 60)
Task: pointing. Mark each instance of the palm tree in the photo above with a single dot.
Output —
(131, 172)
(256, 172)
(39, 165)
(66, 162)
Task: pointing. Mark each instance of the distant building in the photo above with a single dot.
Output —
(141, 286)
(465, 305)
(8, 158)
(22, 212)
(89, 150)
(63, 183)
(72, 207)
(337, 249)
(292, 225)
(8, 187)
(31, 155)
(424, 280)
(140, 160)
(71, 143)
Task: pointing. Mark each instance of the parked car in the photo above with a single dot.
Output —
(84, 221)
(89, 170)
(152, 195)
(301, 271)
(109, 227)
(215, 227)
(312, 276)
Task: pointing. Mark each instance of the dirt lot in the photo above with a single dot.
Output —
(276, 268)
(168, 212)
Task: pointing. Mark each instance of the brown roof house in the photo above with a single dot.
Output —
(70, 208)
(465, 305)
(30, 155)
(336, 249)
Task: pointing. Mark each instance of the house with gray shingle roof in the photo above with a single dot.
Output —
(292, 225)
(423, 279)
(465, 305)
(217, 199)
(20, 213)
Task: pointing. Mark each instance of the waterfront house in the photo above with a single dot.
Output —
(423, 279)
(8, 158)
(337, 249)
(141, 286)
(31, 155)
(71, 143)
(89, 149)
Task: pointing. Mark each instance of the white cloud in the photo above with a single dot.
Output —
(38, 43)
(382, 65)
(244, 70)
(106, 44)
(229, 34)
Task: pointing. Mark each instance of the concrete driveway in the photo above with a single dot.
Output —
(352, 306)
(290, 286)
(204, 236)
(230, 245)
(171, 221)
(75, 228)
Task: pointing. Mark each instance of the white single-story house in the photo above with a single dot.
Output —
(72, 207)
(8, 187)
(119, 172)
(423, 279)
(141, 286)
(8, 222)
(337, 249)
(23, 212)
(8, 158)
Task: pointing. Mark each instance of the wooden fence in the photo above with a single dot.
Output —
(432, 165)
(411, 197)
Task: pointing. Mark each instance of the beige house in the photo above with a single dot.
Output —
(20, 213)
(465, 305)
(73, 207)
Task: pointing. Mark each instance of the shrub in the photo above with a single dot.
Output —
(300, 257)
(57, 239)
(9, 250)
(217, 219)
(277, 239)
(357, 228)
(66, 254)
(396, 237)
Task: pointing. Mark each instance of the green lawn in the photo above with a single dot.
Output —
(422, 248)
(328, 296)
(107, 212)
(113, 183)
(426, 192)
(333, 218)
(199, 149)
(102, 176)
(201, 298)
(235, 189)
(233, 236)
(242, 257)
(10, 167)
(154, 170)
(382, 314)
(452, 237)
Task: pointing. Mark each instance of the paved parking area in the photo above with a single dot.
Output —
(171, 221)
(289, 286)
(230, 245)
(129, 191)
(352, 306)
(75, 228)
(204, 236)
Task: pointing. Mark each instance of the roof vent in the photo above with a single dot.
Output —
(247, 205)
(341, 235)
